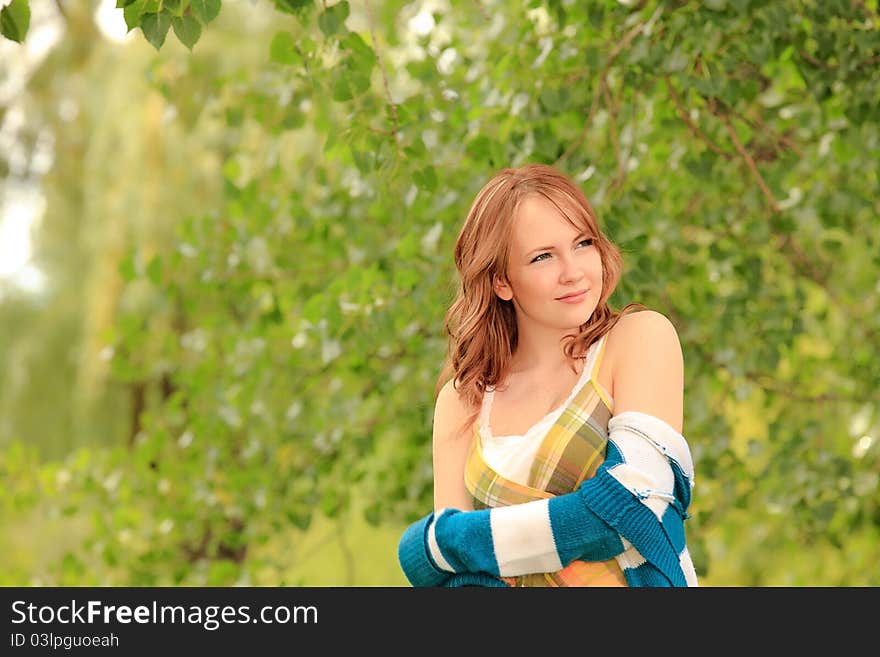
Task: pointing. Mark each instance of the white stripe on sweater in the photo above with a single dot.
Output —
(647, 445)
(523, 539)
(644, 442)
(688, 567)
(659, 434)
(436, 554)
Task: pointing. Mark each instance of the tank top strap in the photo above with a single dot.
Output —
(485, 409)
(595, 364)
(595, 360)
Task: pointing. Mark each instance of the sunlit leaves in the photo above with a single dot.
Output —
(349, 83)
(426, 178)
(283, 49)
(155, 18)
(362, 58)
(296, 7)
(205, 10)
(155, 27)
(187, 29)
(332, 19)
(133, 12)
(15, 19)
(175, 7)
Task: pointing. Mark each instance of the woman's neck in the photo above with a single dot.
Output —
(538, 357)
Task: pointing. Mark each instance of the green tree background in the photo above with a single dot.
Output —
(217, 366)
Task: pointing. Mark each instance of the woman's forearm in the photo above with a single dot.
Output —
(534, 537)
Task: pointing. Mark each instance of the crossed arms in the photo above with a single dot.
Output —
(632, 509)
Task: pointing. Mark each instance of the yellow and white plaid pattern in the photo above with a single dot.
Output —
(570, 452)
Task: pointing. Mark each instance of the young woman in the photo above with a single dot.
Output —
(557, 447)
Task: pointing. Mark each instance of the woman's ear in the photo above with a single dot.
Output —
(502, 288)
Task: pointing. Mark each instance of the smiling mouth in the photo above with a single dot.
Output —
(574, 295)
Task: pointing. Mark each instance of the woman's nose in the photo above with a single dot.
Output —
(571, 269)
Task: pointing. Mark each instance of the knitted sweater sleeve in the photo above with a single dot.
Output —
(535, 537)
(631, 509)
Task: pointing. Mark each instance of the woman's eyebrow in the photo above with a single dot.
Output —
(551, 248)
(542, 248)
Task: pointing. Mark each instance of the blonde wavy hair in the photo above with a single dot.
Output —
(481, 328)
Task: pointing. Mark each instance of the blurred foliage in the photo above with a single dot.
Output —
(249, 249)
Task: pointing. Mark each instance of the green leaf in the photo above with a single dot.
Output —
(293, 6)
(293, 118)
(155, 28)
(416, 148)
(596, 12)
(187, 29)
(635, 244)
(479, 148)
(122, 4)
(426, 178)
(300, 519)
(550, 99)
(205, 10)
(133, 12)
(127, 268)
(373, 514)
(341, 89)
(406, 279)
(362, 56)
(15, 19)
(332, 19)
(282, 50)
(173, 6)
(676, 61)
(361, 158)
(234, 116)
(154, 270)
(359, 82)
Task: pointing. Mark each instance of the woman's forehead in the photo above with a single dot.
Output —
(537, 220)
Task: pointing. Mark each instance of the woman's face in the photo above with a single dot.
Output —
(550, 259)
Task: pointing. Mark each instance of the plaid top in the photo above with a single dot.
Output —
(569, 453)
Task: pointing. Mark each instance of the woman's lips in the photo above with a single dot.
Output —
(577, 298)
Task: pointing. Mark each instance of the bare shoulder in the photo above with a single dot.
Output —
(645, 326)
(450, 410)
(647, 366)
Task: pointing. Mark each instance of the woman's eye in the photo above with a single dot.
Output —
(588, 241)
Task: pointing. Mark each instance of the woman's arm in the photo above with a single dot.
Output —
(647, 367)
(450, 450)
(534, 537)
(451, 442)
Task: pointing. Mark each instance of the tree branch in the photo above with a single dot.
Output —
(584, 131)
(627, 39)
(760, 125)
(395, 130)
(612, 129)
(693, 126)
(745, 156)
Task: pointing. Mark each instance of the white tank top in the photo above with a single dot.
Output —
(512, 456)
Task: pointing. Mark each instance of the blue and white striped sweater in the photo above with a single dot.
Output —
(633, 509)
